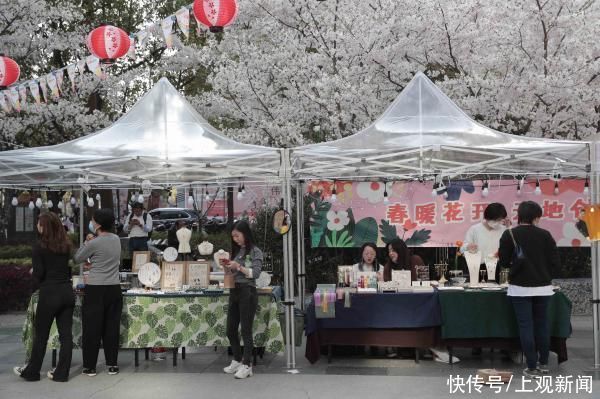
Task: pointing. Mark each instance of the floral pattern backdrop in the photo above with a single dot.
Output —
(378, 212)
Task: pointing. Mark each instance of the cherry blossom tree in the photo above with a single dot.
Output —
(296, 71)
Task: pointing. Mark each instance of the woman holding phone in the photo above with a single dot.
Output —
(246, 265)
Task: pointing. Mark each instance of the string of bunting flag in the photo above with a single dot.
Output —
(108, 43)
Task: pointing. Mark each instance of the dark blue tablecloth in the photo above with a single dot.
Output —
(388, 310)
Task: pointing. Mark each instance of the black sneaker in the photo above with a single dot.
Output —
(89, 372)
(113, 370)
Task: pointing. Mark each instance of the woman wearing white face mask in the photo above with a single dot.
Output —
(484, 237)
(103, 301)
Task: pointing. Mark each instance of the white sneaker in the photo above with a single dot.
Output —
(443, 356)
(243, 372)
(18, 370)
(233, 367)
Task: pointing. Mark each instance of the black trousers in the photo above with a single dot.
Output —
(243, 301)
(101, 322)
(138, 244)
(55, 302)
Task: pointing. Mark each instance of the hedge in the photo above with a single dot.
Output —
(16, 286)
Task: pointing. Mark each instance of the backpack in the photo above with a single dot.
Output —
(145, 217)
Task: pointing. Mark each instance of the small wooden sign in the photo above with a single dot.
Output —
(138, 259)
(172, 276)
(197, 274)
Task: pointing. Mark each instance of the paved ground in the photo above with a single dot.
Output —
(358, 376)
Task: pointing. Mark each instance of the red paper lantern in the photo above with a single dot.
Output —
(108, 43)
(215, 14)
(9, 71)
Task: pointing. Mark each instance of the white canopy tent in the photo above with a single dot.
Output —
(423, 135)
(161, 140)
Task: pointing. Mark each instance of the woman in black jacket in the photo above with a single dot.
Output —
(51, 256)
(531, 254)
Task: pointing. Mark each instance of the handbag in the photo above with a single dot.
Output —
(518, 253)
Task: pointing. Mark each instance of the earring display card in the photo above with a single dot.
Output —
(422, 272)
(138, 259)
(402, 277)
(172, 277)
(197, 274)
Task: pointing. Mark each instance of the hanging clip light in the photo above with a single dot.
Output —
(50, 204)
(537, 190)
(520, 183)
(386, 199)
(207, 196)
(31, 205)
(485, 191)
(442, 188)
(333, 193)
(586, 187)
(434, 190)
(38, 203)
(239, 193)
(14, 201)
(556, 189)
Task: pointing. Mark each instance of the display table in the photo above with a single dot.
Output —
(487, 319)
(173, 321)
(421, 320)
(399, 320)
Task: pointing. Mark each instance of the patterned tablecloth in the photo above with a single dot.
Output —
(173, 321)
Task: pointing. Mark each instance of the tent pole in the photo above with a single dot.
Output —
(595, 199)
(81, 230)
(288, 265)
(300, 242)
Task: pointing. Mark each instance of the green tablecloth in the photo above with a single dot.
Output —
(489, 314)
(173, 321)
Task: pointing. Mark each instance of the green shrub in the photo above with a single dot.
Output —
(15, 251)
(19, 262)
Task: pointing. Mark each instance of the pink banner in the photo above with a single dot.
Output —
(360, 213)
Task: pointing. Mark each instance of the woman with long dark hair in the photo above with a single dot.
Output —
(103, 301)
(246, 264)
(51, 256)
(400, 258)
